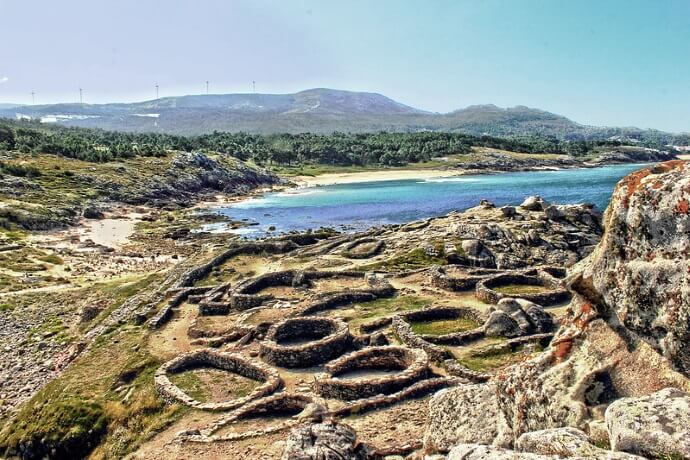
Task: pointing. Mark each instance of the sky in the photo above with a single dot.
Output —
(599, 62)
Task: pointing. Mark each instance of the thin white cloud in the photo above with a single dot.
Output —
(4, 79)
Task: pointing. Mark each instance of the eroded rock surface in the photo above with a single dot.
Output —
(657, 425)
(640, 269)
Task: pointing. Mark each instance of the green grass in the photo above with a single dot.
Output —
(486, 360)
(442, 327)
(517, 289)
(51, 259)
(379, 308)
(190, 383)
(417, 258)
(113, 406)
(198, 384)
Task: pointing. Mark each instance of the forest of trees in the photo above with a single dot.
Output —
(344, 149)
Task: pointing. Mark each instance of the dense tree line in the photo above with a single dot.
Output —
(278, 149)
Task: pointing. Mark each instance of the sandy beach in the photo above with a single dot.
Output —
(373, 176)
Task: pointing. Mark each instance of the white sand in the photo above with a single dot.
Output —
(373, 176)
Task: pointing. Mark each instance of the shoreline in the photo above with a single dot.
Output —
(406, 174)
(373, 176)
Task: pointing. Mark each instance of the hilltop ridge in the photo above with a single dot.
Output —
(319, 110)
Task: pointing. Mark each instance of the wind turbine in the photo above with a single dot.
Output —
(81, 96)
(156, 90)
(206, 86)
(33, 98)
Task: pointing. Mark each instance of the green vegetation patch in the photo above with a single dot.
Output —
(213, 385)
(369, 311)
(518, 289)
(105, 410)
(444, 326)
(482, 360)
(417, 258)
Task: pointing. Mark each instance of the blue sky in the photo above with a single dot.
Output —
(603, 62)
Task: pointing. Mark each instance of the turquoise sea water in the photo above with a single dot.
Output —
(362, 205)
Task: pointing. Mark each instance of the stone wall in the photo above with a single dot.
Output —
(332, 338)
(412, 364)
(350, 253)
(484, 290)
(230, 362)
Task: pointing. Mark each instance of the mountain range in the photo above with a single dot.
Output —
(315, 110)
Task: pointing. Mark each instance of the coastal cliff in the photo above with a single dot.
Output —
(616, 372)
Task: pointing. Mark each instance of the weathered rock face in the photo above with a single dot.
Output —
(625, 330)
(640, 269)
(466, 414)
(657, 425)
(324, 441)
(565, 442)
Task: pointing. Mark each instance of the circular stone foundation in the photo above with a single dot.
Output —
(459, 278)
(229, 362)
(285, 407)
(469, 325)
(489, 290)
(363, 248)
(305, 341)
(346, 377)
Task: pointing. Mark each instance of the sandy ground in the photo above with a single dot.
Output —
(108, 232)
(373, 176)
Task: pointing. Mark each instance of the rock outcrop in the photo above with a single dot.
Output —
(324, 441)
(625, 335)
(657, 425)
(640, 269)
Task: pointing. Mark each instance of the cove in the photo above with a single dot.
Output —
(357, 206)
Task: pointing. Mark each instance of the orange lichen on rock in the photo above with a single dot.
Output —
(668, 166)
(682, 206)
(632, 183)
(562, 349)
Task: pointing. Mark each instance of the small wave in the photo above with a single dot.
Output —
(298, 191)
(449, 179)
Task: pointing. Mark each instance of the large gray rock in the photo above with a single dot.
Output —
(501, 324)
(324, 441)
(540, 319)
(553, 212)
(465, 414)
(566, 442)
(534, 203)
(657, 425)
(531, 317)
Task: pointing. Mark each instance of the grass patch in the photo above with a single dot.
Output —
(417, 258)
(51, 259)
(111, 407)
(444, 326)
(213, 385)
(379, 308)
(517, 289)
(494, 358)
